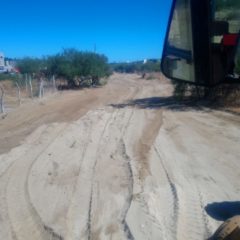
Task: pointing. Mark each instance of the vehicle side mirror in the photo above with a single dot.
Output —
(198, 47)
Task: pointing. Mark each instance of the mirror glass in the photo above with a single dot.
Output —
(178, 53)
(226, 15)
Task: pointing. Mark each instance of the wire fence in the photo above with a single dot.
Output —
(24, 89)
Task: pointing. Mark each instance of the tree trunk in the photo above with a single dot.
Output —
(2, 108)
(18, 93)
(41, 92)
(30, 84)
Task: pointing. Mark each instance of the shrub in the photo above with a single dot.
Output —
(73, 65)
(6, 76)
(133, 67)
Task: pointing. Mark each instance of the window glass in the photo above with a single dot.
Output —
(179, 58)
(180, 35)
(226, 16)
(228, 11)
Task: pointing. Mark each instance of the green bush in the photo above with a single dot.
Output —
(238, 66)
(133, 67)
(5, 76)
(73, 65)
(223, 4)
(30, 65)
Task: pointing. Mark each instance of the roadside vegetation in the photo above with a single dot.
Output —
(71, 65)
(69, 69)
(223, 95)
(223, 4)
(137, 67)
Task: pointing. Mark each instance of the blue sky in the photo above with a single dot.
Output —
(121, 29)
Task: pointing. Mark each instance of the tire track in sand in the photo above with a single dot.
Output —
(107, 213)
(121, 150)
(7, 161)
(126, 208)
(25, 222)
(146, 226)
(78, 220)
(89, 221)
(189, 221)
(175, 200)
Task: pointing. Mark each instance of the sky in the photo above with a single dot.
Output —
(123, 30)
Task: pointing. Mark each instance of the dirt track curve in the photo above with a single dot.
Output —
(120, 162)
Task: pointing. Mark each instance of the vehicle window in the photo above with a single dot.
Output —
(180, 31)
(228, 11)
(226, 22)
(179, 52)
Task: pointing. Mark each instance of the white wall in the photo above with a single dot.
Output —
(2, 60)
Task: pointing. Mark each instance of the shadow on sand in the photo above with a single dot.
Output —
(223, 210)
(170, 103)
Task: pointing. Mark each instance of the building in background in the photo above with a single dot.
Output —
(7, 65)
(2, 62)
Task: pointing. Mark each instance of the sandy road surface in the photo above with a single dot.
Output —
(120, 162)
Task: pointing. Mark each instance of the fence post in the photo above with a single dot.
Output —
(30, 84)
(26, 82)
(54, 83)
(41, 91)
(2, 99)
(18, 93)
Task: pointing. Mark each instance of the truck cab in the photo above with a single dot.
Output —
(202, 42)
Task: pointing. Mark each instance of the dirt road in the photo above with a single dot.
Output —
(119, 162)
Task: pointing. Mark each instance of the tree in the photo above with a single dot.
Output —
(30, 65)
(226, 4)
(72, 65)
(75, 66)
(140, 66)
